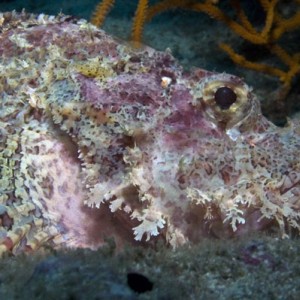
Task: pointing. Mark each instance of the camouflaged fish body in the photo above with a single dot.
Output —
(99, 139)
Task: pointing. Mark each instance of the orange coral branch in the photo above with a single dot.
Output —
(216, 13)
(269, 19)
(285, 25)
(139, 21)
(101, 11)
(242, 61)
(283, 55)
(166, 5)
(242, 16)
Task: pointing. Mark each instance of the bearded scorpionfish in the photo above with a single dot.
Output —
(99, 139)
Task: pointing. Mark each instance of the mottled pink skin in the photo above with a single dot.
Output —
(140, 149)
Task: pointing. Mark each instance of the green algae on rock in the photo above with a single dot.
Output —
(99, 139)
(247, 267)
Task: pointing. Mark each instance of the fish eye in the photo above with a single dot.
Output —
(225, 97)
(228, 102)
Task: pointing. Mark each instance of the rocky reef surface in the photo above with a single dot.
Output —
(248, 268)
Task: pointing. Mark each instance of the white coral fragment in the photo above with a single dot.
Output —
(151, 222)
(198, 196)
(234, 215)
(115, 205)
